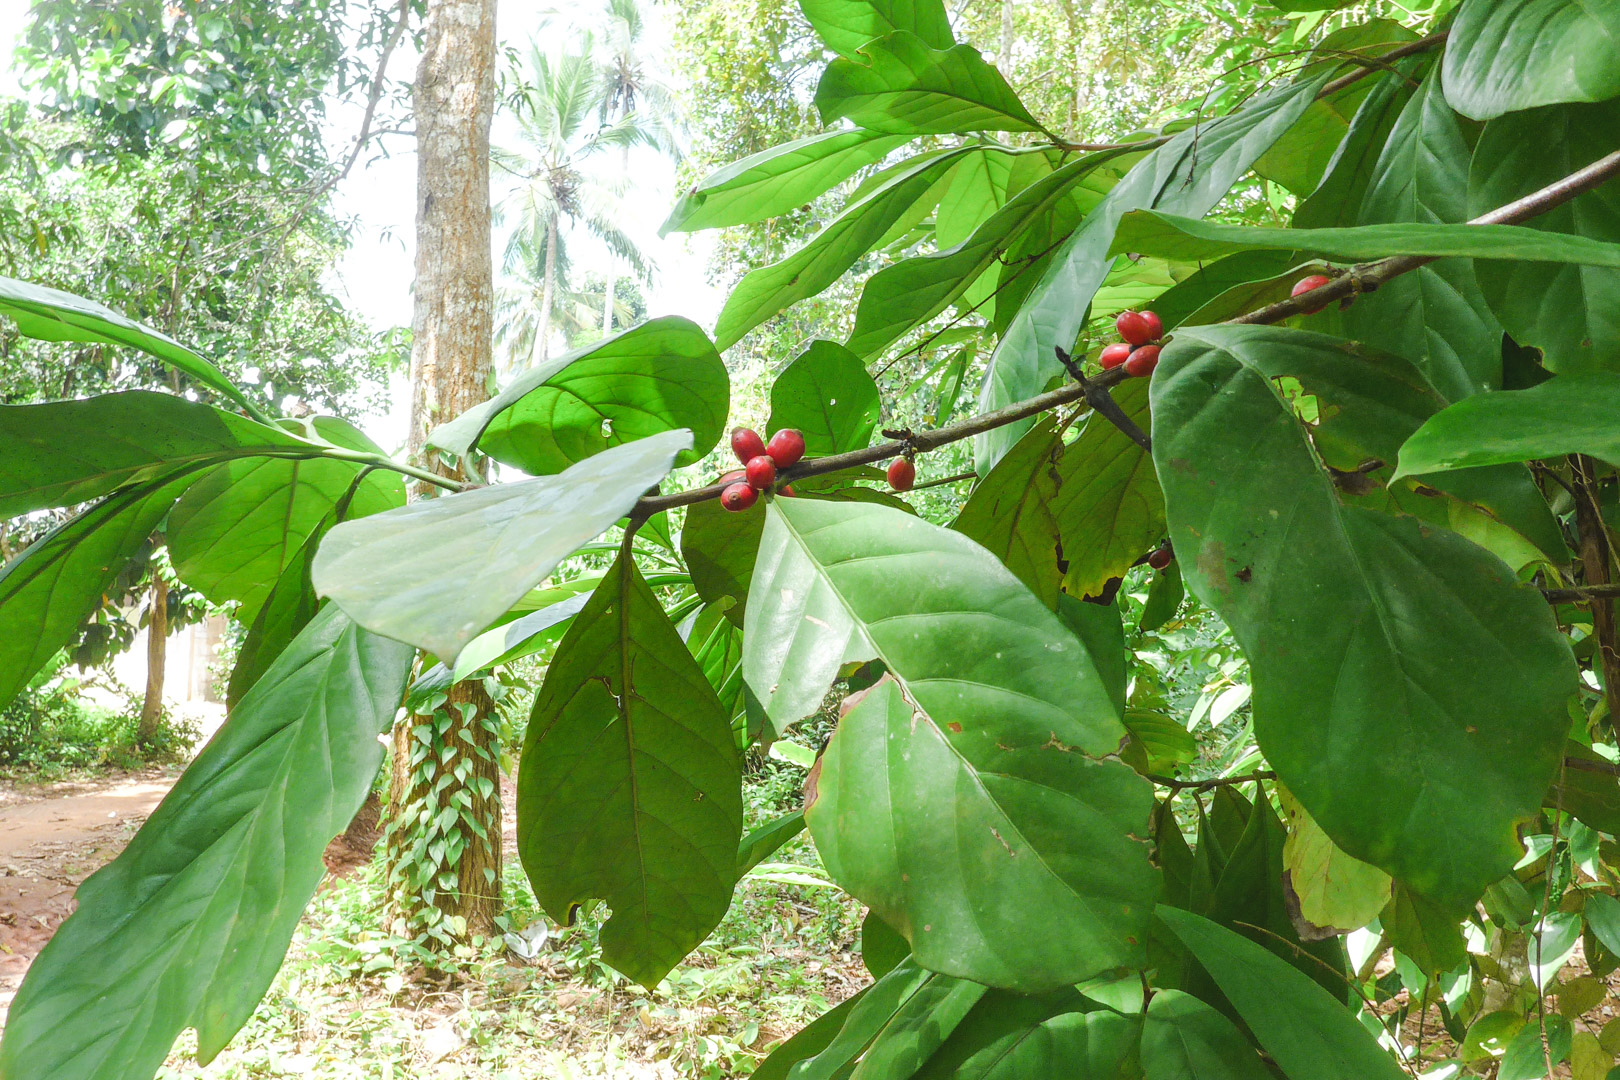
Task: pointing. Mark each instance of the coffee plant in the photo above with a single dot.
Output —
(1366, 409)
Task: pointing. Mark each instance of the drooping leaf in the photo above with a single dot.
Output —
(1426, 935)
(846, 25)
(1013, 1036)
(1184, 1039)
(241, 525)
(66, 452)
(1328, 890)
(438, 572)
(1108, 508)
(1435, 315)
(900, 85)
(1505, 56)
(1570, 312)
(1003, 721)
(187, 927)
(775, 181)
(1429, 677)
(1337, 199)
(907, 990)
(823, 259)
(53, 315)
(1101, 631)
(901, 297)
(1569, 414)
(661, 375)
(48, 587)
(1164, 598)
(917, 1028)
(1189, 174)
(827, 393)
(1591, 797)
(1309, 1034)
(629, 789)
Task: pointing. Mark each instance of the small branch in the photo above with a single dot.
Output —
(942, 481)
(1196, 786)
(1580, 594)
(1603, 768)
(1433, 41)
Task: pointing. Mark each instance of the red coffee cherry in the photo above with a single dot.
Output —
(786, 447)
(761, 472)
(746, 444)
(1161, 557)
(738, 497)
(734, 474)
(1114, 355)
(1307, 284)
(1155, 326)
(1143, 361)
(902, 474)
(1134, 327)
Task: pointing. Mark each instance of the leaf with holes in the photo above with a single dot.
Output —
(992, 718)
(629, 789)
(828, 395)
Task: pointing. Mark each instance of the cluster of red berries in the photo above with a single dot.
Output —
(1139, 352)
(760, 462)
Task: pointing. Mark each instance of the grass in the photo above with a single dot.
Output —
(353, 1002)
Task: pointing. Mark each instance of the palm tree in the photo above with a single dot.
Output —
(525, 302)
(558, 108)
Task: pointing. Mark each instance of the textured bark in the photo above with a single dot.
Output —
(451, 357)
(157, 640)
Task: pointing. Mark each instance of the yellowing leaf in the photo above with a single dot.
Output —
(1332, 890)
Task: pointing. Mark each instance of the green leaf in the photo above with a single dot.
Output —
(1190, 173)
(658, 376)
(1593, 798)
(629, 788)
(52, 315)
(1310, 1035)
(1603, 916)
(900, 297)
(809, 1041)
(763, 842)
(47, 589)
(824, 258)
(917, 1028)
(1108, 509)
(1164, 599)
(1007, 745)
(220, 872)
(1149, 232)
(66, 452)
(1372, 713)
(1434, 315)
(436, 573)
(776, 181)
(1228, 286)
(1426, 935)
(1010, 511)
(241, 525)
(1164, 743)
(846, 25)
(1014, 1036)
(899, 84)
(1184, 1039)
(1526, 1059)
(882, 947)
(828, 395)
(519, 638)
(1570, 312)
(1337, 199)
(1568, 414)
(1505, 56)
(906, 991)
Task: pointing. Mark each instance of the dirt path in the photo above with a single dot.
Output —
(51, 838)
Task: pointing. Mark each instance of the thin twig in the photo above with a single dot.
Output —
(942, 481)
(1199, 786)
(1421, 45)
(1579, 594)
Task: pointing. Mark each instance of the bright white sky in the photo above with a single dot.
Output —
(375, 275)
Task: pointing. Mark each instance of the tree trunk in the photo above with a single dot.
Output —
(607, 303)
(451, 355)
(1004, 60)
(157, 639)
(548, 293)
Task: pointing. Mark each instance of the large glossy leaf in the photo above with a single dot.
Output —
(658, 376)
(917, 1028)
(629, 789)
(1149, 232)
(1309, 1034)
(824, 258)
(187, 927)
(1428, 686)
(1569, 414)
(1570, 312)
(846, 25)
(54, 315)
(1189, 174)
(1184, 1039)
(827, 393)
(1435, 315)
(778, 180)
(908, 990)
(66, 452)
(438, 572)
(1508, 55)
(808, 1041)
(992, 719)
(1014, 1036)
(1010, 511)
(903, 296)
(1337, 199)
(51, 585)
(899, 84)
(241, 525)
